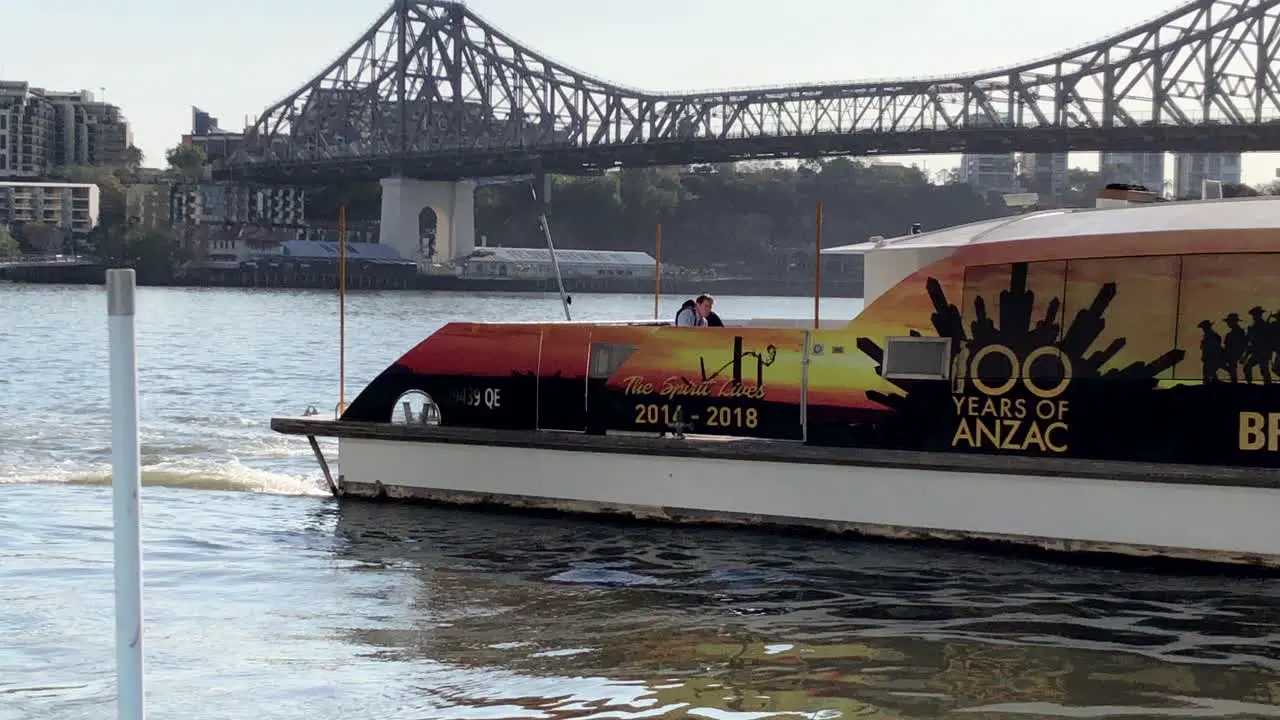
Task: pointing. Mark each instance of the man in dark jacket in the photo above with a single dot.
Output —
(693, 313)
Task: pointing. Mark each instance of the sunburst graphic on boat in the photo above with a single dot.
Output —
(992, 354)
(741, 360)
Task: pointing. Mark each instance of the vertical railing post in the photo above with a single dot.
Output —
(817, 269)
(657, 270)
(126, 489)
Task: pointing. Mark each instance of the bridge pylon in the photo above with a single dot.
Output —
(454, 203)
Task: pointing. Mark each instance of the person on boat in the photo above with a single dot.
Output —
(693, 313)
(713, 320)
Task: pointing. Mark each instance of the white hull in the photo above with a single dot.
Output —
(1186, 521)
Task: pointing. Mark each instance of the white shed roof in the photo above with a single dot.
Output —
(564, 257)
(1226, 214)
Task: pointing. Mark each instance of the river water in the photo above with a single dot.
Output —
(267, 599)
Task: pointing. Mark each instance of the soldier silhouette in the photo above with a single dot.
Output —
(1259, 346)
(1234, 346)
(1211, 355)
(1273, 322)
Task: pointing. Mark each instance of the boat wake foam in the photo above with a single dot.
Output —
(183, 465)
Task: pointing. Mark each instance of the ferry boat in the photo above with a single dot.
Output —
(1097, 380)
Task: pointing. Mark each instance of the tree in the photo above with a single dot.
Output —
(746, 218)
(9, 246)
(112, 246)
(187, 161)
(43, 239)
(152, 255)
(133, 158)
(151, 252)
(1239, 190)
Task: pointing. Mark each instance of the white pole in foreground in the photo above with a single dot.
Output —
(126, 484)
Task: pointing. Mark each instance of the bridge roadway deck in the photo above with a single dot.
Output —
(571, 160)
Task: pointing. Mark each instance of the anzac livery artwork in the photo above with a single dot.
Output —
(1156, 346)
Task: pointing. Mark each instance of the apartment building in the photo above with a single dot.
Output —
(231, 204)
(70, 207)
(41, 130)
(217, 143)
(147, 205)
(991, 173)
(26, 132)
(1046, 173)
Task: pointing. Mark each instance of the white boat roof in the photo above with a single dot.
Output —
(490, 253)
(1246, 213)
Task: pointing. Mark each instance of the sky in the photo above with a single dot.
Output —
(234, 58)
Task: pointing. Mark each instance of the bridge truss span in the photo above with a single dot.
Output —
(433, 90)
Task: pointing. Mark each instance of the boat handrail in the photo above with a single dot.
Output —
(761, 323)
(977, 237)
(791, 323)
(646, 321)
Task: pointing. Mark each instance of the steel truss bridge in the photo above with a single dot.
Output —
(434, 91)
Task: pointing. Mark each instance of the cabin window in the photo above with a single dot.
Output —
(415, 408)
(606, 358)
(917, 358)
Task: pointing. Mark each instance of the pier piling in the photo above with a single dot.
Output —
(126, 486)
